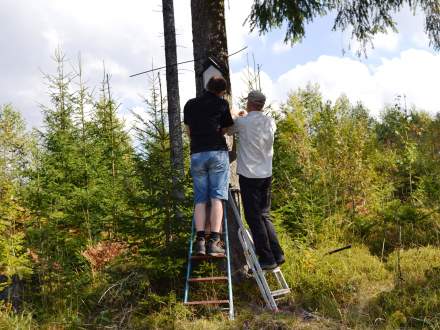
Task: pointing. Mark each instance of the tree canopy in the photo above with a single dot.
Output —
(365, 17)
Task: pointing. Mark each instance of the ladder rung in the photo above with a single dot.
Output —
(208, 279)
(280, 292)
(275, 270)
(207, 257)
(207, 302)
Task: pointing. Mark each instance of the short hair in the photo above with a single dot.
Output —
(217, 84)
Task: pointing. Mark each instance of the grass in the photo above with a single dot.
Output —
(414, 301)
(351, 289)
(333, 284)
(13, 321)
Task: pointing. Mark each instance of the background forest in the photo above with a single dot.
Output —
(91, 236)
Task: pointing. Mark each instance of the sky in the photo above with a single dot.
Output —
(128, 37)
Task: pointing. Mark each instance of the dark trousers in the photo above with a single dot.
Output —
(255, 194)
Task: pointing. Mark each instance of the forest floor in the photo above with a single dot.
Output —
(354, 290)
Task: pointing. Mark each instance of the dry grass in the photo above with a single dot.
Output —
(102, 253)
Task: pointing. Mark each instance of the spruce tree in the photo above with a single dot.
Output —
(162, 225)
(117, 185)
(54, 179)
(14, 156)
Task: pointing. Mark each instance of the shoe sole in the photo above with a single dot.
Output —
(213, 254)
(269, 268)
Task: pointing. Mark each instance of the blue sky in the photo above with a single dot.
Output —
(399, 64)
(278, 57)
(321, 40)
(127, 36)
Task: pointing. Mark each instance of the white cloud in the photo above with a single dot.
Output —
(335, 76)
(128, 38)
(387, 41)
(280, 47)
(420, 39)
(411, 33)
(413, 73)
(54, 40)
(236, 13)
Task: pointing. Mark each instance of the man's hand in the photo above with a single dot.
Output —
(234, 113)
(238, 113)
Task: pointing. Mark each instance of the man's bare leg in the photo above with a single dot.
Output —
(216, 215)
(200, 216)
(208, 221)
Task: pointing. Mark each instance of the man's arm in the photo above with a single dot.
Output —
(236, 116)
(186, 118)
(229, 130)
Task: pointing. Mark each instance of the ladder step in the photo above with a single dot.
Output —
(208, 279)
(207, 257)
(275, 270)
(207, 302)
(280, 292)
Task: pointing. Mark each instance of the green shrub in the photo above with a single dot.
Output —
(417, 226)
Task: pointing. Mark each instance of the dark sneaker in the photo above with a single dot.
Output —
(281, 260)
(199, 247)
(268, 266)
(215, 249)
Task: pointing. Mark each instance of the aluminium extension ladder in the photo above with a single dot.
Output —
(270, 296)
(229, 302)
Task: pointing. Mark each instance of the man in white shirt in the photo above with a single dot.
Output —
(254, 165)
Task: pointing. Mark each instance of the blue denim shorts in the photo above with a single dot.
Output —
(210, 173)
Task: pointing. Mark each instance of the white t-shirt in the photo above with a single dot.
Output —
(255, 144)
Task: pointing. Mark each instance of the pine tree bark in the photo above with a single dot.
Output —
(209, 39)
(173, 98)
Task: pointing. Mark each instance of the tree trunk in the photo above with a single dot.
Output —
(209, 39)
(174, 121)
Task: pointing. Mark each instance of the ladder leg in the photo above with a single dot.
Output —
(258, 273)
(188, 269)
(228, 261)
(282, 280)
(251, 258)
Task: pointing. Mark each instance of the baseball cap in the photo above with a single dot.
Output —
(256, 97)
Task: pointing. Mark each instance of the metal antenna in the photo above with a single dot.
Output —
(189, 61)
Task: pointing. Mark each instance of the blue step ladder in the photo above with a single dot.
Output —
(215, 279)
